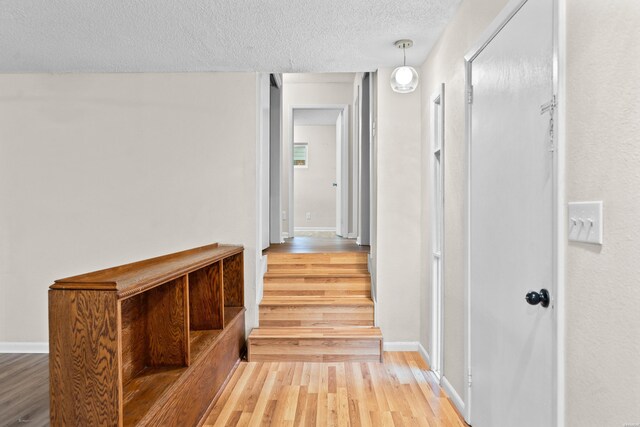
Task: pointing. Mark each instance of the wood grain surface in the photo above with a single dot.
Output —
(167, 325)
(83, 349)
(206, 307)
(233, 278)
(401, 392)
(139, 276)
(121, 341)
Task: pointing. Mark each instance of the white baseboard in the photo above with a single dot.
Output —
(24, 347)
(314, 229)
(425, 355)
(285, 235)
(401, 346)
(352, 236)
(453, 394)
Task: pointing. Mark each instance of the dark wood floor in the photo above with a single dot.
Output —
(24, 390)
(317, 245)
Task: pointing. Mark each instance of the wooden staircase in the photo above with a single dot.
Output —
(316, 307)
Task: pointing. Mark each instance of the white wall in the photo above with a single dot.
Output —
(445, 64)
(314, 190)
(98, 170)
(297, 94)
(603, 163)
(397, 207)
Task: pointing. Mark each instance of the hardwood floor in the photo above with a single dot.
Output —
(399, 392)
(316, 244)
(24, 390)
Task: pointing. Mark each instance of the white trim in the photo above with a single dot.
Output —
(285, 235)
(401, 346)
(560, 83)
(24, 347)
(437, 225)
(352, 235)
(453, 394)
(559, 88)
(425, 356)
(314, 229)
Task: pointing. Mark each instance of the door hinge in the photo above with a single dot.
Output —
(469, 378)
(470, 94)
(550, 107)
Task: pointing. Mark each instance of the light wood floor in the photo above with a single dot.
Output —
(316, 244)
(400, 392)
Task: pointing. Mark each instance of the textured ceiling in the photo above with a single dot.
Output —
(319, 78)
(215, 35)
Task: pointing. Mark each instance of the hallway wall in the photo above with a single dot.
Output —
(445, 64)
(398, 257)
(98, 170)
(603, 163)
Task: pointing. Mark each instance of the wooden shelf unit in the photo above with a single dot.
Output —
(148, 343)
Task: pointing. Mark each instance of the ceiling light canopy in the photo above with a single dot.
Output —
(404, 79)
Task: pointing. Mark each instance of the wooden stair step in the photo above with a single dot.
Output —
(334, 344)
(316, 311)
(317, 286)
(315, 301)
(317, 258)
(318, 268)
(316, 273)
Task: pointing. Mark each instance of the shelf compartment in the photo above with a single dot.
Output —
(154, 329)
(206, 309)
(233, 279)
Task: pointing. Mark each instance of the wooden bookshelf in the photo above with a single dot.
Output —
(148, 343)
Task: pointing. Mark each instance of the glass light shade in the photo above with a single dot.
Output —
(404, 79)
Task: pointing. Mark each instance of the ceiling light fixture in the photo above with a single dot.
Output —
(404, 79)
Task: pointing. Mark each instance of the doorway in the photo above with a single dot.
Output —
(512, 252)
(437, 229)
(318, 198)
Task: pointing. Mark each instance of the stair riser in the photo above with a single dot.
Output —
(314, 350)
(318, 269)
(288, 316)
(318, 287)
(334, 259)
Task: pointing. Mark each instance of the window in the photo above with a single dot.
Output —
(301, 155)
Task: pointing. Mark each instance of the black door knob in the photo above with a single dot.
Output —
(535, 298)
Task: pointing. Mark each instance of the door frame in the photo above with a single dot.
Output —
(437, 295)
(344, 167)
(559, 213)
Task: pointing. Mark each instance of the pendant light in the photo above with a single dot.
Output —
(404, 79)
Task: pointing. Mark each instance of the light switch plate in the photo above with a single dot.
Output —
(585, 222)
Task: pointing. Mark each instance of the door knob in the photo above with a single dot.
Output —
(535, 298)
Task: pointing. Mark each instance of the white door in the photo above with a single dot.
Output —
(511, 224)
(339, 180)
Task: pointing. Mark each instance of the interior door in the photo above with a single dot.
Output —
(339, 181)
(511, 225)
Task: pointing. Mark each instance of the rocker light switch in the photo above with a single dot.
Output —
(585, 222)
